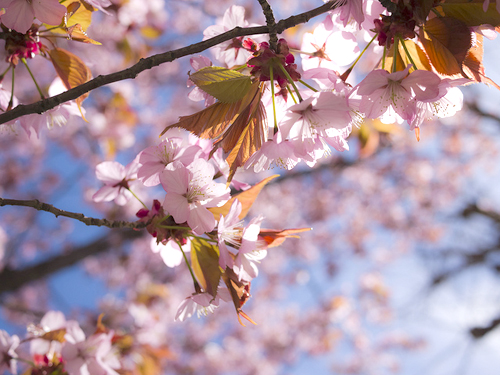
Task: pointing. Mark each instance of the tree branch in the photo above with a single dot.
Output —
(156, 60)
(271, 23)
(40, 206)
(11, 280)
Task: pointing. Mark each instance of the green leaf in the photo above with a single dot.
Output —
(205, 264)
(226, 85)
(472, 13)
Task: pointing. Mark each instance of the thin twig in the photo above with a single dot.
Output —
(156, 60)
(271, 23)
(40, 206)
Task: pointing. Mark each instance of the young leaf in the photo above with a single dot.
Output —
(71, 69)
(240, 293)
(473, 64)
(79, 12)
(274, 237)
(246, 199)
(210, 122)
(205, 264)
(417, 55)
(446, 41)
(77, 34)
(471, 12)
(226, 85)
(55, 335)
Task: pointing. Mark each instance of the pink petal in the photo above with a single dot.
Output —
(49, 11)
(201, 220)
(177, 206)
(19, 16)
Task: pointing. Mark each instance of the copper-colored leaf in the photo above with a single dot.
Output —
(418, 56)
(240, 293)
(210, 122)
(246, 199)
(446, 41)
(245, 136)
(473, 64)
(71, 69)
(274, 237)
(55, 335)
(76, 33)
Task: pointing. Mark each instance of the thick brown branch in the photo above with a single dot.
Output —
(271, 23)
(156, 60)
(10, 280)
(40, 206)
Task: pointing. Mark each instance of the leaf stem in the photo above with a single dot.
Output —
(33, 77)
(136, 197)
(196, 285)
(395, 54)
(408, 55)
(308, 86)
(11, 101)
(271, 75)
(348, 71)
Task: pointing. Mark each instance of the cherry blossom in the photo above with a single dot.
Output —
(229, 230)
(250, 252)
(20, 13)
(190, 191)
(154, 159)
(200, 303)
(89, 356)
(117, 181)
(8, 345)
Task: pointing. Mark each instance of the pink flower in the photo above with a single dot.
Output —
(20, 13)
(400, 91)
(117, 181)
(281, 154)
(51, 321)
(250, 252)
(229, 230)
(92, 356)
(8, 345)
(350, 10)
(190, 191)
(154, 159)
(231, 52)
(201, 303)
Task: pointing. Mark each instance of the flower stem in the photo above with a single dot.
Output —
(291, 94)
(395, 55)
(271, 75)
(349, 70)
(408, 55)
(383, 57)
(196, 285)
(4, 73)
(308, 86)
(136, 197)
(290, 80)
(33, 77)
(174, 227)
(11, 101)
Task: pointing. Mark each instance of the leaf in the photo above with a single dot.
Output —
(446, 41)
(471, 12)
(246, 134)
(55, 335)
(240, 293)
(77, 34)
(78, 13)
(205, 264)
(226, 85)
(209, 123)
(239, 128)
(417, 55)
(274, 237)
(246, 199)
(71, 69)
